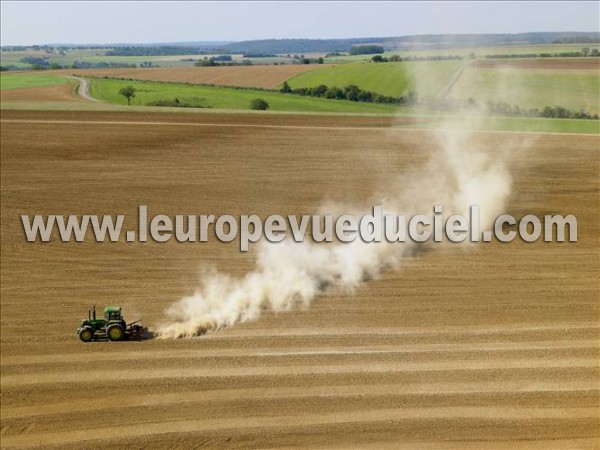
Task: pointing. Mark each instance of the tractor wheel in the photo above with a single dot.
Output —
(86, 334)
(115, 332)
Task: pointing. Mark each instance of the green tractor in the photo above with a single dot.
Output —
(112, 327)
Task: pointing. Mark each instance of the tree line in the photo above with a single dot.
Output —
(366, 49)
(43, 63)
(398, 58)
(162, 50)
(350, 92)
(501, 108)
(553, 112)
(220, 61)
(584, 53)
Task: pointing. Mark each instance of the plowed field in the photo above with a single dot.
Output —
(266, 77)
(495, 347)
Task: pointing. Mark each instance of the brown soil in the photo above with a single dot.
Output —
(40, 94)
(496, 347)
(267, 77)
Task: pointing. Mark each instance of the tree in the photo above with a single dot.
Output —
(285, 88)
(206, 62)
(259, 104)
(128, 92)
(318, 91)
(335, 92)
(320, 61)
(365, 96)
(352, 91)
(377, 59)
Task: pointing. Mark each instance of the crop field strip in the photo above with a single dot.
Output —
(41, 94)
(578, 64)
(265, 77)
(395, 79)
(531, 88)
(404, 124)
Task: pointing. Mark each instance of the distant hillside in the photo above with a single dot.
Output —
(302, 46)
(270, 46)
(484, 40)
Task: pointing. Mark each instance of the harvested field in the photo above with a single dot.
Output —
(540, 64)
(41, 94)
(266, 77)
(495, 347)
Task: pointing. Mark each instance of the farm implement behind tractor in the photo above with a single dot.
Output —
(111, 327)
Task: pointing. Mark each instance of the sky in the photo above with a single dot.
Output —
(48, 22)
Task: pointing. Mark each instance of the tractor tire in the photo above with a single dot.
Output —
(115, 332)
(86, 334)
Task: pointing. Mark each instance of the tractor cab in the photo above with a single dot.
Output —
(112, 313)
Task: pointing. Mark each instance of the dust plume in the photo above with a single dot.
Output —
(458, 174)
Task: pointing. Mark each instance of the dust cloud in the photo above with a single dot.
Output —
(458, 174)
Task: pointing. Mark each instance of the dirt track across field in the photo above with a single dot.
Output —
(492, 347)
(83, 89)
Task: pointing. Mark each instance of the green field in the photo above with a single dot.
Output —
(541, 124)
(28, 80)
(225, 98)
(99, 56)
(480, 52)
(428, 79)
(531, 88)
(14, 58)
(93, 56)
(525, 124)
(239, 99)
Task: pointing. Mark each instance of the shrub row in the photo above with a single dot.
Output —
(555, 112)
(506, 109)
(192, 102)
(586, 52)
(350, 92)
(398, 58)
(213, 62)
